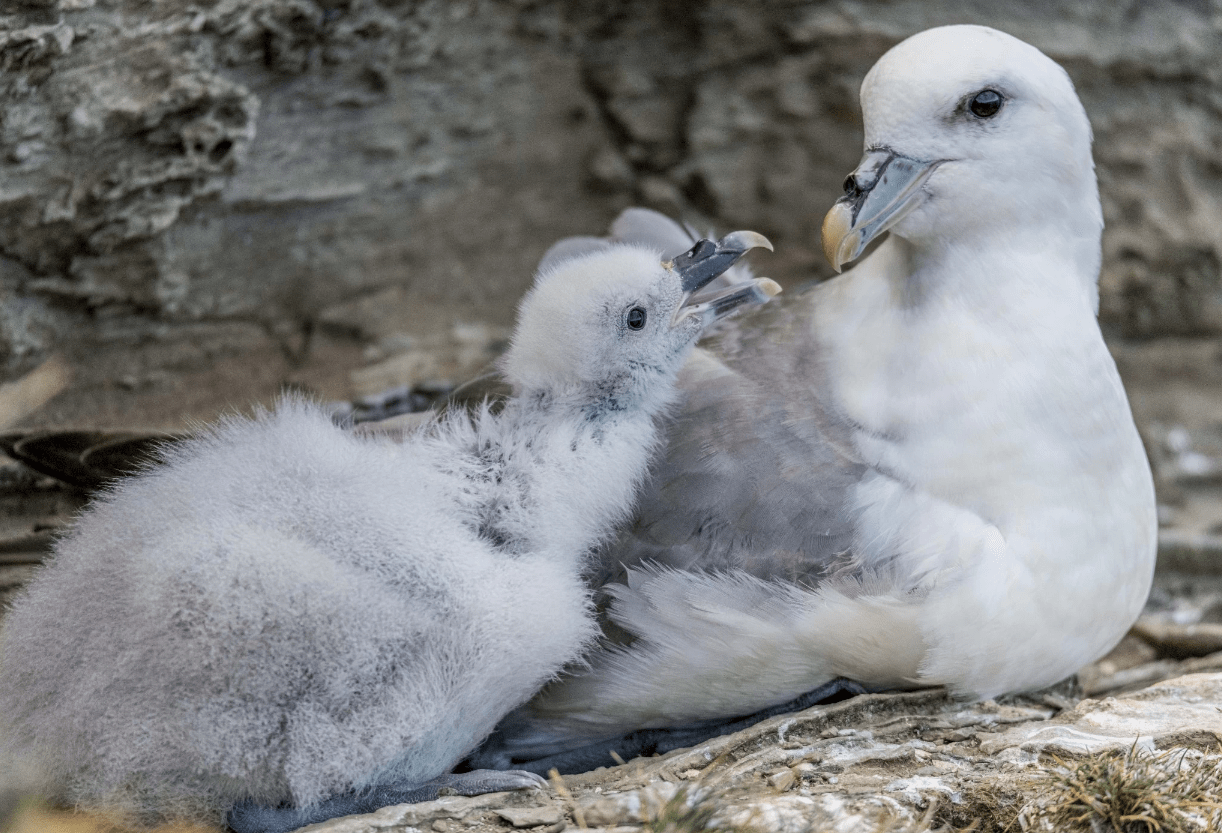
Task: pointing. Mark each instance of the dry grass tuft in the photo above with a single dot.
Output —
(925, 824)
(1176, 791)
(680, 816)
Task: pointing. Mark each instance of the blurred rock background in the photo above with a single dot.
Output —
(204, 200)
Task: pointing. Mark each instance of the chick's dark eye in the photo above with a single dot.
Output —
(636, 318)
(985, 103)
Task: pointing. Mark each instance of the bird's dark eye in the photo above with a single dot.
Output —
(985, 103)
(636, 318)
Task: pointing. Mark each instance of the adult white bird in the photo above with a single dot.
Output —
(923, 472)
(296, 622)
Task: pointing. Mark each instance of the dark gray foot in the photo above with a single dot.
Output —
(247, 817)
(661, 741)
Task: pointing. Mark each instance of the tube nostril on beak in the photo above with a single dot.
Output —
(850, 186)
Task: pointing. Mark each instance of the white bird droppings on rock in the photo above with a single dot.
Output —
(1170, 713)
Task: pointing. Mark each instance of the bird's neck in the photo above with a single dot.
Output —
(1056, 264)
(983, 348)
(1008, 249)
(563, 472)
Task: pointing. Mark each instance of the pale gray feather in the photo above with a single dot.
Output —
(569, 248)
(756, 468)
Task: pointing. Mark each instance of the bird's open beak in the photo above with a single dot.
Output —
(880, 193)
(719, 304)
(707, 260)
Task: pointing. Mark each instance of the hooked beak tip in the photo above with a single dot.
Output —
(886, 187)
(707, 260)
(745, 241)
(839, 238)
(725, 301)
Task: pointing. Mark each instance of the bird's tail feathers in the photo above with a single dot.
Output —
(716, 645)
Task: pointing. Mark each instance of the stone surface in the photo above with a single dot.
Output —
(1179, 712)
(193, 191)
(633, 806)
(204, 200)
(888, 761)
(531, 816)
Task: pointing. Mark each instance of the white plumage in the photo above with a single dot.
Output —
(284, 612)
(924, 472)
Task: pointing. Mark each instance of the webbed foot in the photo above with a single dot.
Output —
(661, 741)
(248, 817)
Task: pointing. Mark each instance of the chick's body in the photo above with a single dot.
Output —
(265, 631)
(286, 612)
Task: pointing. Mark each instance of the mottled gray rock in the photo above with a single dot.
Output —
(197, 197)
(188, 185)
(886, 762)
(1180, 712)
(633, 806)
(531, 816)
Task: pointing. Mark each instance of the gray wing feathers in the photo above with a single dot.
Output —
(641, 225)
(646, 228)
(569, 248)
(756, 472)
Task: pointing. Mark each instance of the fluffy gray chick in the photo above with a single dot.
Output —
(307, 623)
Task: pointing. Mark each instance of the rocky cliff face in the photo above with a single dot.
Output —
(202, 200)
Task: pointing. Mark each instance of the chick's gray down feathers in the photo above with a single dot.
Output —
(241, 623)
(285, 611)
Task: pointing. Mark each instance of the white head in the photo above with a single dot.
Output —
(969, 131)
(614, 326)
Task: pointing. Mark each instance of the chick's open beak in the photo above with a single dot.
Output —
(880, 193)
(707, 260)
(711, 307)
